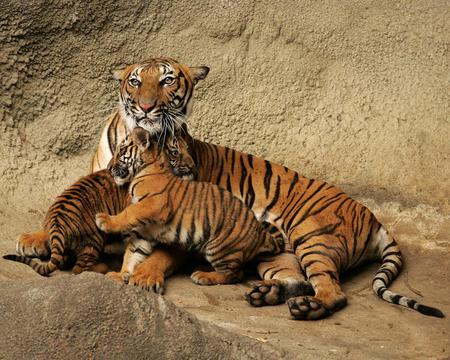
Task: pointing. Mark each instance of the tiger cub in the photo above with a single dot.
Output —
(195, 215)
(69, 228)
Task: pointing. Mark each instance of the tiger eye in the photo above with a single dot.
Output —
(134, 82)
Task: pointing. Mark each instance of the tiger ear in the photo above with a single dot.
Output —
(120, 72)
(199, 73)
(142, 138)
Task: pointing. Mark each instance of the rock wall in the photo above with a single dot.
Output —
(353, 92)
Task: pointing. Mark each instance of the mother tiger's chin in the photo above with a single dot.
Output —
(154, 127)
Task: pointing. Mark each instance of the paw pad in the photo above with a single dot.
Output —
(265, 294)
(307, 308)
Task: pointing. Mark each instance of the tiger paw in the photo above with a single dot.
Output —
(307, 308)
(215, 278)
(33, 245)
(269, 292)
(116, 276)
(203, 278)
(147, 279)
(104, 222)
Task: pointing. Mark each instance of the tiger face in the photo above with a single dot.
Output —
(177, 152)
(157, 93)
(140, 149)
(126, 161)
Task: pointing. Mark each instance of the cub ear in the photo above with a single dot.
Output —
(199, 73)
(120, 72)
(142, 138)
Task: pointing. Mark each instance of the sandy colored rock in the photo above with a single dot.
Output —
(92, 317)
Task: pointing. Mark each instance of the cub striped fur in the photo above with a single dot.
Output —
(69, 226)
(197, 216)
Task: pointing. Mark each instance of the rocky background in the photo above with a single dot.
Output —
(352, 92)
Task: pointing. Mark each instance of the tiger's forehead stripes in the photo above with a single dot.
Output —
(138, 71)
(167, 69)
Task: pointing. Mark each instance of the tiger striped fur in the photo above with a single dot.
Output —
(197, 216)
(329, 233)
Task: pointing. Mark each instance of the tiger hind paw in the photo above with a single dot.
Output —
(311, 308)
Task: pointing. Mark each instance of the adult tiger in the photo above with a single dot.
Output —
(328, 231)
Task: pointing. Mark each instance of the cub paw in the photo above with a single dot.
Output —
(118, 277)
(148, 280)
(33, 245)
(103, 222)
(266, 293)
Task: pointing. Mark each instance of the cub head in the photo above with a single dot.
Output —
(140, 149)
(157, 93)
(179, 157)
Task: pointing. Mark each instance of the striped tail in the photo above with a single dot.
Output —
(389, 270)
(56, 258)
(42, 268)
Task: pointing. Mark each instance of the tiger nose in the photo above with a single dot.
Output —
(147, 107)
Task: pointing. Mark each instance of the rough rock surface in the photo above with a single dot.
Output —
(92, 317)
(353, 92)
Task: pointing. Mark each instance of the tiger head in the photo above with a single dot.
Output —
(157, 93)
(140, 149)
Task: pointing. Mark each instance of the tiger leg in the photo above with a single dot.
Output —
(154, 209)
(282, 279)
(321, 271)
(136, 252)
(87, 260)
(35, 244)
(162, 262)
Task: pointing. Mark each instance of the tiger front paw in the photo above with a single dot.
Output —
(215, 278)
(148, 279)
(104, 223)
(121, 278)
